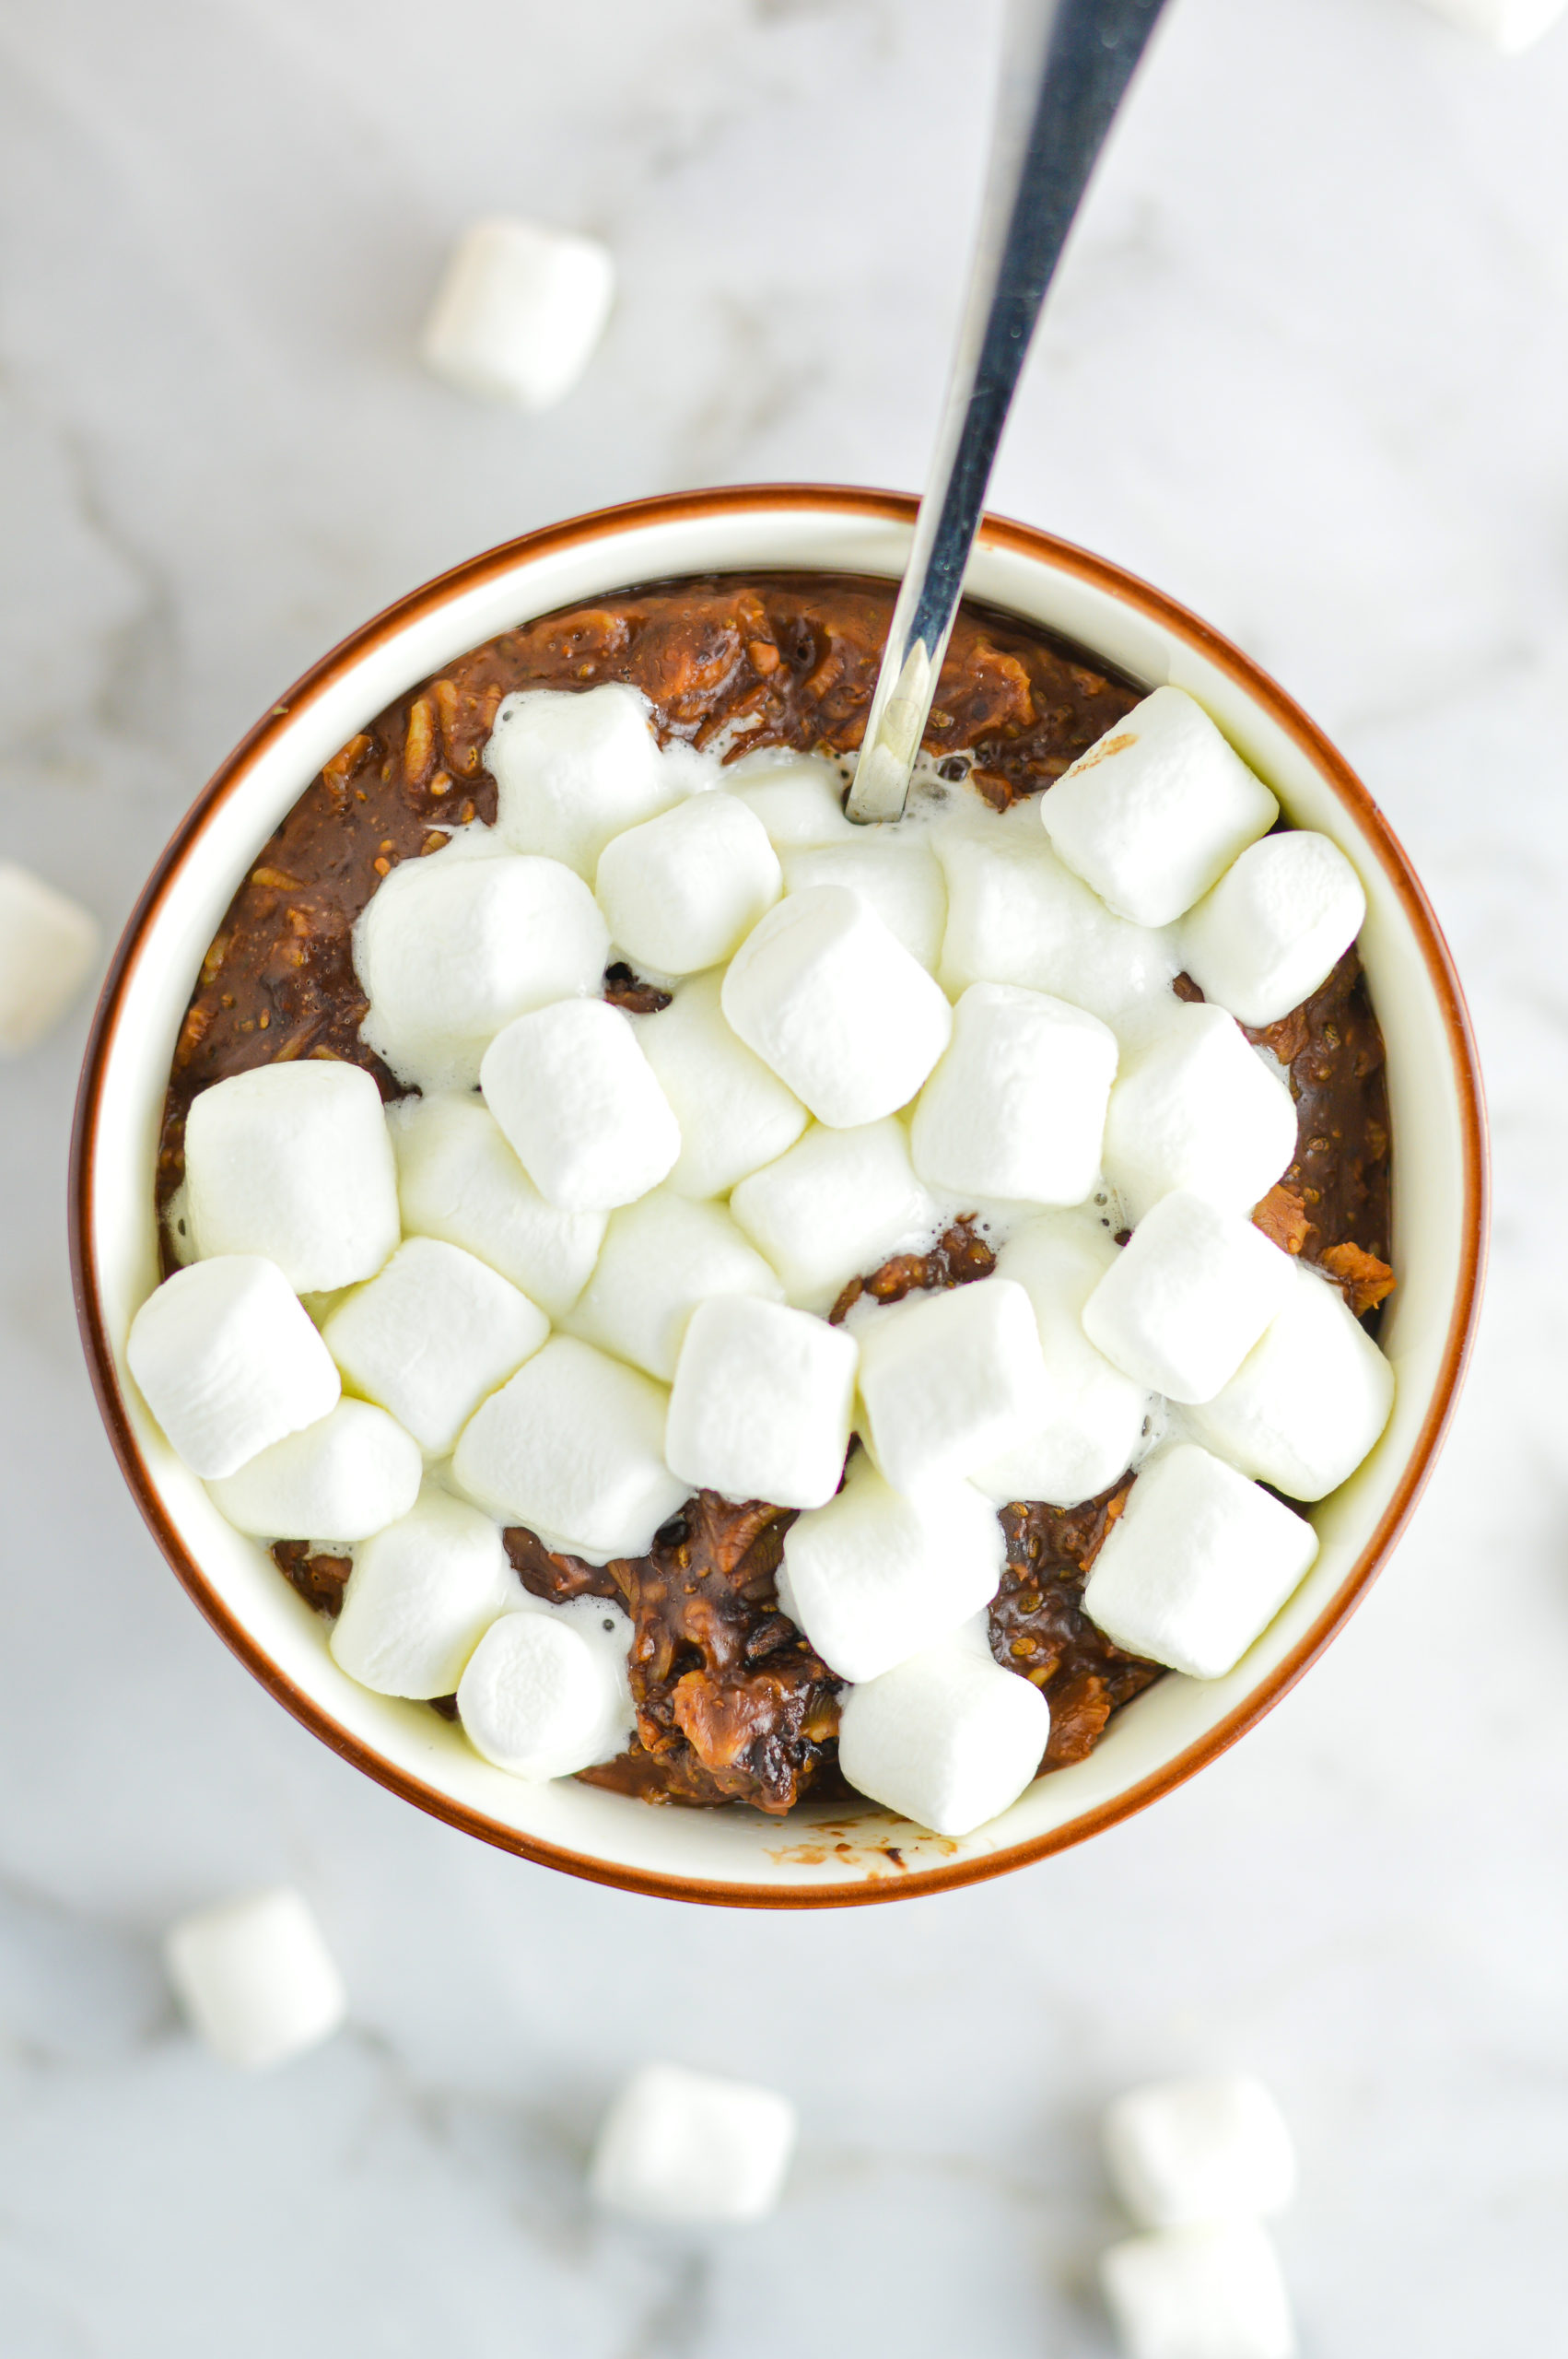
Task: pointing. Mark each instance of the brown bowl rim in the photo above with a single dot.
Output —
(997, 532)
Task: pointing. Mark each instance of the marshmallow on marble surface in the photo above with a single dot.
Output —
(518, 312)
(48, 948)
(1309, 1400)
(539, 1698)
(1210, 2292)
(431, 1335)
(459, 1181)
(682, 891)
(950, 1380)
(734, 1115)
(574, 1448)
(421, 1596)
(837, 1006)
(256, 1978)
(573, 766)
(835, 1207)
(1186, 1298)
(1510, 25)
(1182, 2153)
(1197, 1564)
(1195, 1106)
(876, 1575)
(798, 799)
(662, 1257)
(689, 2147)
(1016, 1106)
(894, 871)
(579, 1104)
(228, 1362)
(348, 1475)
(1274, 927)
(1155, 811)
(948, 1738)
(761, 1401)
(293, 1161)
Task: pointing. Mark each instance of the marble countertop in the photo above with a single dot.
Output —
(1306, 370)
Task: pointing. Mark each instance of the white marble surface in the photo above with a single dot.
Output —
(1306, 368)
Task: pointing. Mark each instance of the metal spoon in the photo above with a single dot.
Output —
(1066, 65)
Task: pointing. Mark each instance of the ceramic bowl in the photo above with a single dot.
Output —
(738, 1856)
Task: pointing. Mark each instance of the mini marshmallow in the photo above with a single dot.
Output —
(1195, 1106)
(256, 1978)
(572, 768)
(948, 1738)
(798, 800)
(761, 1401)
(1183, 2152)
(1214, 2292)
(662, 1258)
(1309, 1400)
(835, 1208)
(683, 891)
(48, 948)
(837, 1006)
(421, 1596)
(1274, 927)
(1509, 25)
(348, 1475)
(573, 1448)
(539, 1699)
(228, 1361)
(458, 1180)
(1155, 812)
(579, 1104)
(951, 1381)
(1016, 1106)
(876, 1577)
(1188, 1298)
(449, 949)
(894, 871)
(1197, 1564)
(292, 1161)
(733, 1114)
(431, 1336)
(518, 312)
(689, 2147)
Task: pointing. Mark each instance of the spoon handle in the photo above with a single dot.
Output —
(1065, 71)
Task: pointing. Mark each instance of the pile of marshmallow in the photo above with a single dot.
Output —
(586, 1270)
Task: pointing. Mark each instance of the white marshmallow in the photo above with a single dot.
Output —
(1016, 1106)
(734, 1115)
(835, 1208)
(826, 996)
(1155, 812)
(1509, 25)
(662, 1258)
(579, 1104)
(48, 948)
(449, 949)
(573, 766)
(1274, 927)
(1181, 2153)
(430, 1337)
(256, 1978)
(876, 1577)
(1095, 1417)
(950, 1380)
(798, 800)
(1188, 1298)
(518, 312)
(683, 891)
(228, 1361)
(539, 1698)
(1198, 1562)
(1309, 1400)
(421, 1596)
(760, 1405)
(458, 1180)
(689, 2147)
(1195, 1106)
(894, 871)
(949, 1738)
(351, 1473)
(293, 1161)
(1214, 2292)
(573, 1447)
